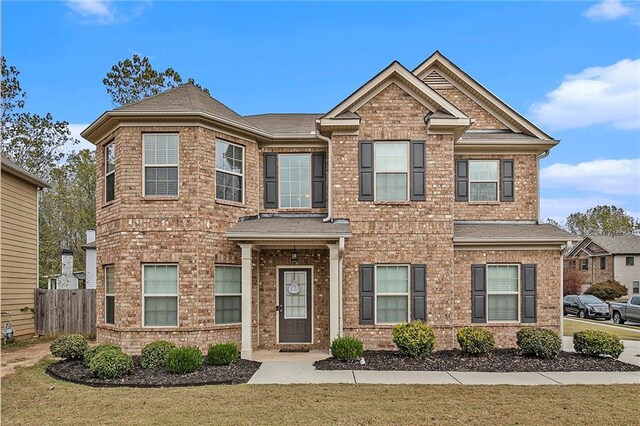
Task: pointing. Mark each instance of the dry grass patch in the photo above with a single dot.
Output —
(623, 332)
(31, 397)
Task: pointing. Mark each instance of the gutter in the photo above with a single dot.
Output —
(541, 156)
(329, 173)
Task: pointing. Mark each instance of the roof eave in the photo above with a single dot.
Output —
(25, 175)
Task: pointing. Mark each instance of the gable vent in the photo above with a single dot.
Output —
(436, 80)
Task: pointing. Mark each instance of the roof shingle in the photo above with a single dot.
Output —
(506, 232)
(285, 227)
(618, 244)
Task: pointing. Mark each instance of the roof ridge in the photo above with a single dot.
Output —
(151, 97)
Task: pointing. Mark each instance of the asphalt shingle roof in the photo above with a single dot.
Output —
(285, 123)
(618, 244)
(281, 227)
(509, 232)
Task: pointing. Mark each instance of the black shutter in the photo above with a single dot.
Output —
(318, 185)
(462, 180)
(367, 294)
(419, 292)
(270, 180)
(365, 168)
(478, 293)
(418, 192)
(529, 278)
(507, 193)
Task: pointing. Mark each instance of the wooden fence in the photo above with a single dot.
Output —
(59, 312)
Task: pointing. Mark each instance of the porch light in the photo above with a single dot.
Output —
(294, 255)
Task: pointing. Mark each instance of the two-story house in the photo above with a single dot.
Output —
(415, 197)
(599, 258)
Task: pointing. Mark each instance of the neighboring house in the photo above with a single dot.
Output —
(70, 280)
(416, 197)
(600, 258)
(90, 260)
(19, 241)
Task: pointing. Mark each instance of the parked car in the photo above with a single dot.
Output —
(585, 306)
(623, 312)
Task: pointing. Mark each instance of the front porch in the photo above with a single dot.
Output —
(291, 282)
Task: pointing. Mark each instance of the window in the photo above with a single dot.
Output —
(636, 287)
(391, 167)
(295, 180)
(584, 264)
(635, 300)
(109, 294)
(228, 294)
(392, 294)
(630, 261)
(603, 262)
(160, 295)
(109, 172)
(160, 164)
(503, 293)
(483, 180)
(229, 171)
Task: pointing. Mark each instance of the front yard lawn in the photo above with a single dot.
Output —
(30, 396)
(623, 332)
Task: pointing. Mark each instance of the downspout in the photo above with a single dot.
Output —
(340, 256)
(540, 156)
(329, 173)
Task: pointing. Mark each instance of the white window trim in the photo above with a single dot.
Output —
(634, 285)
(176, 295)
(144, 167)
(216, 295)
(112, 172)
(104, 270)
(231, 172)
(496, 181)
(375, 291)
(406, 172)
(306, 308)
(506, 293)
(305, 154)
(586, 268)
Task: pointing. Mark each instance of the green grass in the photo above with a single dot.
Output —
(31, 397)
(623, 332)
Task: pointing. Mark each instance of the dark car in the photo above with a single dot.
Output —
(585, 306)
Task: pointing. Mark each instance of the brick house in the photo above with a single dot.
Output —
(416, 197)
(600, 258)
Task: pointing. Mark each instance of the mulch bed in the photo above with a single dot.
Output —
(236, 373)
(500, 360)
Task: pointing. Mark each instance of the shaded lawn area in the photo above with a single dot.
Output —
(31, 397)
(623, 332)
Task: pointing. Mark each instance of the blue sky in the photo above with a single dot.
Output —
(571, 67)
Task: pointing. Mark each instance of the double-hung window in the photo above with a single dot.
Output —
(392, 293)
(503, 293)
(160, 284)
(295, 181)
(109, 172)
(160, 164)
(483, 180)
(229, 171)
(636, 287)
(584, 264)
(391, 171)
(603, 262)
(109, 294)
(228, 294)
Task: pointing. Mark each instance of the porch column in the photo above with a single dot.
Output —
(334, 293)
(247, 276)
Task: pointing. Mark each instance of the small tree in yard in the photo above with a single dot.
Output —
(571, 283)
(607, 290)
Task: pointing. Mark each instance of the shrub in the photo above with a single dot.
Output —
(475, 341)
(607, 290)
(346, 348)
(415, 339)
(571, 282)
(94, 350)
(184, 360)
(110, 364)
(538, 342)
(71, 346)
(222, 354)
(154, 355)
(597, 343)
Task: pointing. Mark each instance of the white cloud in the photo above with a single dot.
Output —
(75, 130)
(608, 10)
(595, 96)
(105, 12)
(612, 177)
(559, 208)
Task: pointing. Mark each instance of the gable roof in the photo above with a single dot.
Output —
(22, 173)
(452, 71)
(612, 244)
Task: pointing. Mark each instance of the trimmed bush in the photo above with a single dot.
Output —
(414, 339)
(607, 290)
(184, 360)
(597, 343)
(71, 346)
(475, 341)
(223, 354)
(110, 364)
(538, 342)
(347, 348)
(94, 350)
(154, 355)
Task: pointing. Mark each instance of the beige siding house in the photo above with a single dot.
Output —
(19, 241)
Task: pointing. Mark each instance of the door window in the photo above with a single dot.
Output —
(295, 294)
